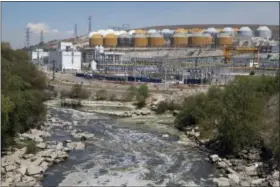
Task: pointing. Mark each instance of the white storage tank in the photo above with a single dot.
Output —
(245, 31)
(228, 30)
(166, 33)
(263, 32)
(212, 31)
(151, 31)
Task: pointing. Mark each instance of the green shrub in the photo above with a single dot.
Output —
(31, 147)
(142, 95)
(101, 95)
(77, 91)
(143, 91)
(161, 108)
(252, 72)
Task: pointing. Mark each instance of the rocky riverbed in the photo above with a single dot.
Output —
(116, 152)
(244, 169)
(127, 147)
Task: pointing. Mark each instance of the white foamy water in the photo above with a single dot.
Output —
(120, 156)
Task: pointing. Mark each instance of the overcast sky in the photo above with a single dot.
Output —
(57, 19)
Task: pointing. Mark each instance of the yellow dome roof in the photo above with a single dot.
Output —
(110, 36)
(96, 36)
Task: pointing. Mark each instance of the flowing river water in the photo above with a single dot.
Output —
(125, 155)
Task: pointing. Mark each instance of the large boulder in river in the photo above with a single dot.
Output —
(34, 170)
(215, 158)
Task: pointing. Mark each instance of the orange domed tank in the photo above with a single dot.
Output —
(140, 40)
(155, 40)
(179, 40)
(96, 40)
(110, 40)
(224, 40)
(197, 40)
(180, 30)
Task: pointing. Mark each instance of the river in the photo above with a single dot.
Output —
(122, 155)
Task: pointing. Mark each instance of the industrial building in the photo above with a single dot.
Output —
(65, 58)
(39, 56)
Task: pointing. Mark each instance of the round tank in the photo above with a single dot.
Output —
(131, 32)
(155, 40)
(180, 30)
(140, 32)
(208, 39)
(124, 40)
(151, 31)
(166, 33)
(197, 40)
(196, 30)
(263, 32)
(179, 40)
(228, 30)
(224, 39)
(91, 33)
(110, 40)
(139, 40)
(96, 40)
(245, 31)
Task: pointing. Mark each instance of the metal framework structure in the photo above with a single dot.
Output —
(89, 24)
(27, 38)
(76, 30)
(42, 36)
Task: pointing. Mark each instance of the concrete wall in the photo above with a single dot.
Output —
(71, 60)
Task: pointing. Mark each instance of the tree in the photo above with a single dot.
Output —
(22, 93)
(142, 95)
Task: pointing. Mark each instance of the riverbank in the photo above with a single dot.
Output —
(244, 169)
(28, 169)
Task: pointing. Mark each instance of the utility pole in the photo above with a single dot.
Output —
(53, 69)
(166, 61)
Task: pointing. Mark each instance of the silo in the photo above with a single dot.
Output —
(180, 30)
(197, 40)
(140, 31)
(155, 40)
(124, 40)
(224, 39)
(196, 30)
(131, 32)
(228, 30)
(208, 39)
(151, 31)
(179, 40)
(110, 40)
(140, 40)
(95, 40)
(263, 32)
(166, 34)
(245, 31)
